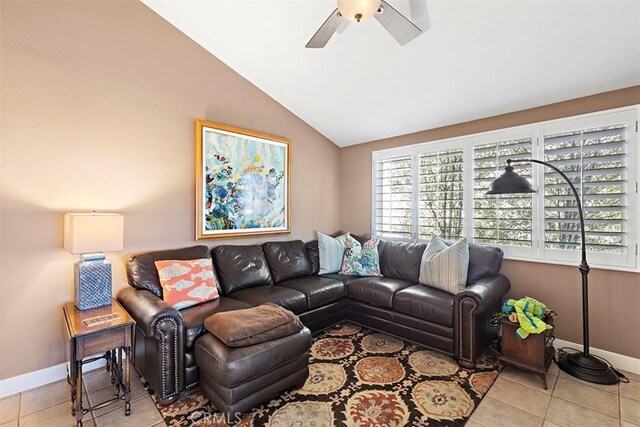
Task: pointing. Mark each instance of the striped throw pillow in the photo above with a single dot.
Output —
(445, 267)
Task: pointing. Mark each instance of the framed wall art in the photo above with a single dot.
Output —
(242, 182)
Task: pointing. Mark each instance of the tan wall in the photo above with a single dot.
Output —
(98, 108)
(615, 320)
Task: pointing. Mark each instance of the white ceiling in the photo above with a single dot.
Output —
(478, 59)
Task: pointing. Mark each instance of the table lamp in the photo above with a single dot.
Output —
(91, 235)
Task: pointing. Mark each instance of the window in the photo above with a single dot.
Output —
(439, 188)
(441, 194)
(393, 213)
(594, 155)
(504, 219)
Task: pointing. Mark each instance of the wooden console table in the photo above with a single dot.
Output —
(107, 338)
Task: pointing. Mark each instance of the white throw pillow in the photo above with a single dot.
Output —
(445, 267)
(331, 251)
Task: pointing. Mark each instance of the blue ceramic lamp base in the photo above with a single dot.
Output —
(92, 281)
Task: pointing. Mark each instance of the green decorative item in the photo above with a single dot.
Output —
(530, 313)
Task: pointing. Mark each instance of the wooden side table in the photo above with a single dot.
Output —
(533, 353)
(104, 331)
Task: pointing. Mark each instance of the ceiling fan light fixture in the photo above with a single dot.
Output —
(357, 10)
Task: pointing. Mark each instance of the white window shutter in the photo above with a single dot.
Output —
(505, 219)
(439, 188)
(393, 195)
(441, 210)
(595, 160)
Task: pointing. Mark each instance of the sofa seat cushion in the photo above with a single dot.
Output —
(377, 291)
(426, 302)
(194, 317)
(344, 278)
(319, 290)
(290, 299)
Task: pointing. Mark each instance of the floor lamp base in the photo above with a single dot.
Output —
(588, 369)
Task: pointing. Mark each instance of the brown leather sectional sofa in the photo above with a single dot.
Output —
(286, 273)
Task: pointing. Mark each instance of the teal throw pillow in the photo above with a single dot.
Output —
(330, 252)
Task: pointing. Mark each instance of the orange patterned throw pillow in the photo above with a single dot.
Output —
(187, 282)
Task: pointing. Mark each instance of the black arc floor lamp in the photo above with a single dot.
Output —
(581, 364)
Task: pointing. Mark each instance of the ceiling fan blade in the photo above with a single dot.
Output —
(344, 23)
(324, 33)
(396, 24)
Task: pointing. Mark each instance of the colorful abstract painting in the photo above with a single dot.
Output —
(243, 182)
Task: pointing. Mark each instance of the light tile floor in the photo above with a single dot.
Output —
(516, 399)
(50, 405)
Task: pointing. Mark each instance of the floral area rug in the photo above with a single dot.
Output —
(361, 377)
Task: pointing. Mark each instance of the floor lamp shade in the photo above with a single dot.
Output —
(510, 183)
(91, 235)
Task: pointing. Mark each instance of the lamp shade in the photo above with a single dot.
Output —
(93, 232)
(510, 182)
(357, 10)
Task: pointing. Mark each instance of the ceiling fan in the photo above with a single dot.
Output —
(401, 28)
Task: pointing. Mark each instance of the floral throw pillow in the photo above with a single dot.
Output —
(361, 260)
(187, 282)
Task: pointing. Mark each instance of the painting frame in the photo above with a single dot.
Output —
(203, 151)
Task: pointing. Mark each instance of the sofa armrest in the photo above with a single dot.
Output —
(487, 289)
(159, 348)
(473, 308)
(147, 309)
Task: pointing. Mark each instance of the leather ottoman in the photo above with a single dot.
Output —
(237, 379)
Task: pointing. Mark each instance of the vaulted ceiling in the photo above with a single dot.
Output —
(476, 58)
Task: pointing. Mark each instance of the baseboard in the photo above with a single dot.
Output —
(42, 377)
(619, 361)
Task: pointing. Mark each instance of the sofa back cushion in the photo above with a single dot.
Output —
(241, 267)
(484, 261)
(314, 255)
(400, 260)
(287, 260)
(143, 274)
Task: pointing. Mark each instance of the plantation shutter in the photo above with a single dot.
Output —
(504, 219)
(441, 194)
(394, 202)
(595, 160)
